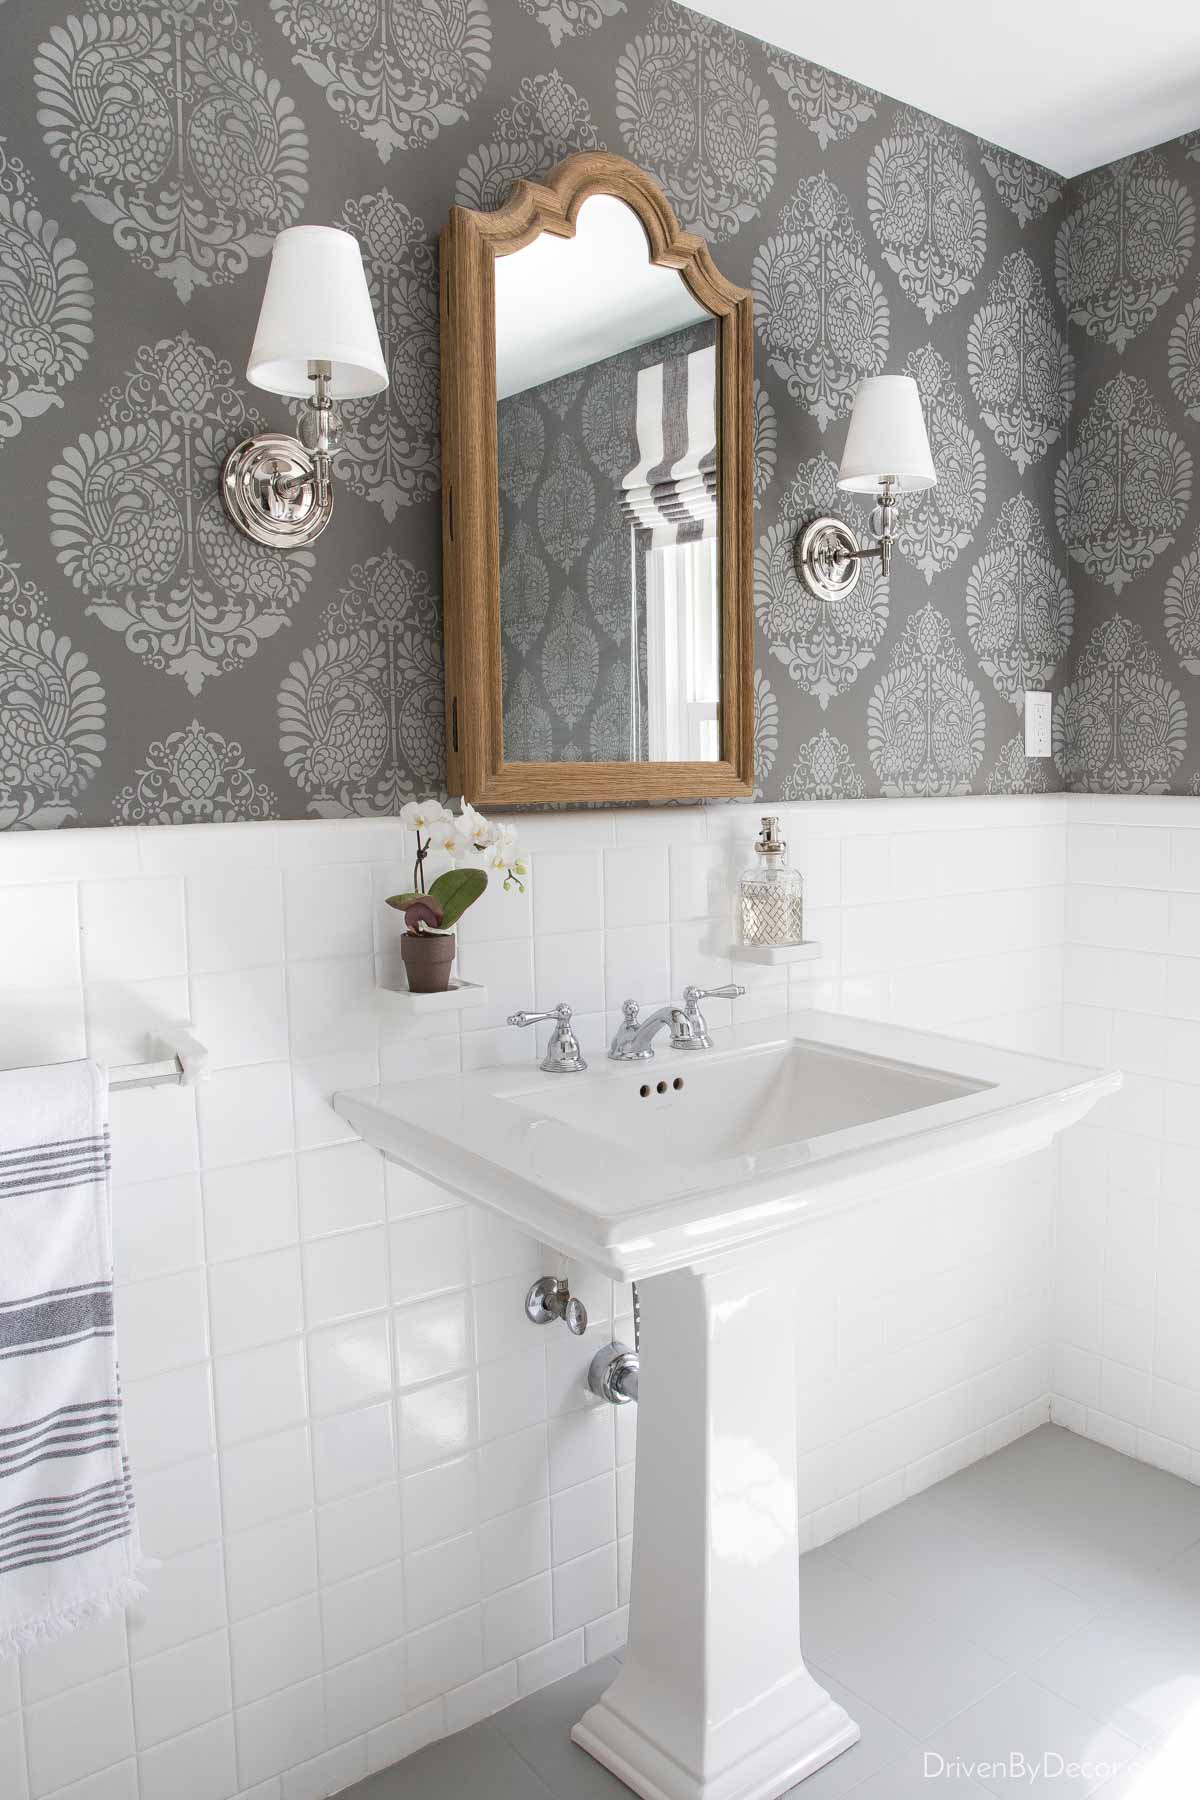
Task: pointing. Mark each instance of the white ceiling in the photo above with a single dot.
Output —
(1068, 83)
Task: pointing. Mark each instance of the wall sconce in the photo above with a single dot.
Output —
(887, 453)
(316, 340)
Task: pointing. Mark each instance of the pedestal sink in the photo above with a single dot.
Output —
(694, 1175)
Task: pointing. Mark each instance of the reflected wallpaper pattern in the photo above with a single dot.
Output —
(156, 667)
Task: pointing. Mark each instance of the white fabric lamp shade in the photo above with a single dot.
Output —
(317, 308)
(887, 437)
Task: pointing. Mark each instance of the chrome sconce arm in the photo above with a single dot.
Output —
(279, 489)
(829, 556)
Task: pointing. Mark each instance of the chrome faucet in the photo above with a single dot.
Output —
(633, 1040)
(563, 1055)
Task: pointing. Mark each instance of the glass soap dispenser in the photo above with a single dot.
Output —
(770, 895)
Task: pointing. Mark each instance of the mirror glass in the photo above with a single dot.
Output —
(606, 390)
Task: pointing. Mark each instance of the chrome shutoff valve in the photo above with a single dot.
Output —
(549, 1299)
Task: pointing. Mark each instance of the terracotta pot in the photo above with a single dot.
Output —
(428, 960)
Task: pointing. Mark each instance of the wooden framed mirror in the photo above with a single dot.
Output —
(597, 441)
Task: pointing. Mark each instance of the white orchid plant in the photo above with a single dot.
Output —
(466, 834)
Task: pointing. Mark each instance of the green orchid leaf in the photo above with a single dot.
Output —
(400, 901)
(455, 890)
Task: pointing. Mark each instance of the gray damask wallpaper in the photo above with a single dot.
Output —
(155, 666)
(1127, 500)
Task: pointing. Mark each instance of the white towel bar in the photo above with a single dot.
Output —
(168, 1073)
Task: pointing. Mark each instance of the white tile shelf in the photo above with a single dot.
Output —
(457, 997)
(775, 954)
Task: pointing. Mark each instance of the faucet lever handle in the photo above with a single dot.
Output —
(563, 1055)
(731, 991)
(561, 1013)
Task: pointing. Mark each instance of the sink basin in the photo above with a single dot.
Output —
(753, 1107)
(695, 1174)
(780, 1121)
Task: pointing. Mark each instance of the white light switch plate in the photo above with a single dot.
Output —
(1037, 722)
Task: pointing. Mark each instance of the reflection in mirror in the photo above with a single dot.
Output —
(606, 382)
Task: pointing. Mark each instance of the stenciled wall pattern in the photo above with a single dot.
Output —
(157, 667)
(1127, 495)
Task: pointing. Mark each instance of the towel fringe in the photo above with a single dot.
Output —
(122, 1594)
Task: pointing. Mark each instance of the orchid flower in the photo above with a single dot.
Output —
(424, 815)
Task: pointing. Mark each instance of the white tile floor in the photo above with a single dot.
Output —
(1031, 1625)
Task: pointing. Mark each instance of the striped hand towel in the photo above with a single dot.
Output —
(69, 1548)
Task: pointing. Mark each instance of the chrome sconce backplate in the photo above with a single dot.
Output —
(271, 488)
(828, 558)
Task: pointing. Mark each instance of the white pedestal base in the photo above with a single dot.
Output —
(713, 1701)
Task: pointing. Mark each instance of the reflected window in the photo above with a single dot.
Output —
(682, 652)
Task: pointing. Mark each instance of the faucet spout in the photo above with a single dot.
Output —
(633, 1040)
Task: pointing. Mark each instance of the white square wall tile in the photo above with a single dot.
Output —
(341, 1186)
(514, 1546)
(569, 967)
(327, 911)
(169, 1418)
(277, 1733)
(255, 1299)
(132, 930)
(513, 1472)
(505, 968)
(367, 1692)
(431, 1339)
(179, 1507)
(349, 1364)
(201, 1764)
(13, 1781)
(436, 1422)
(234, 919)
(153, 1133)
(352, 1451)
(439, 1503)
(259, 1391)
(249, 1208)
(584, 1518)
(637, 962)
(181, 1689)
(157, 1227)
(359, 1533)
(333, 1005)
(428, 1255)
(185, 1600)
(271, 1565)
(95, 1649)
(636, 887)
(87, 1729)
(276, 1649)
(240, 1016)
(517, 1621)
(245, 1114)
(363, 1614)
(445, 1656)
(585, 1590)
(266, 1479)
(441, 1580)
(162, 1324)
(512, 1393)
(346, 1275)
(567, 890)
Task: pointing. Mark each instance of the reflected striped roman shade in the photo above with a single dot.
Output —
(671, 491)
